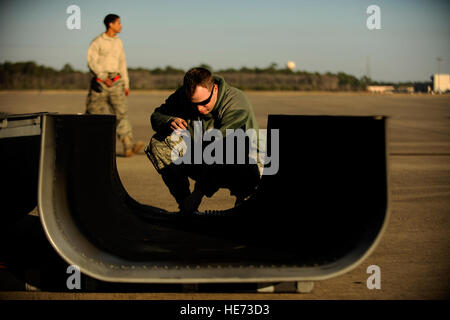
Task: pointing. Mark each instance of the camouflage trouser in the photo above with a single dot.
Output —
(100, 97)
(159, 151)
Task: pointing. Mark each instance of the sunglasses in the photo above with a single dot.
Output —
(204, 102)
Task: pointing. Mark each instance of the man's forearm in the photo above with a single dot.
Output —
(160, 122)
(98, 74)
(95, 69)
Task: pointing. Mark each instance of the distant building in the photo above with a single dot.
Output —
(405, 89)
(441, 82)
(380, 89)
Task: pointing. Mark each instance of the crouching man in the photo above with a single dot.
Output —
(204, 101)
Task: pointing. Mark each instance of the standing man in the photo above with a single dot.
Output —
(209, 99)
(110, 84)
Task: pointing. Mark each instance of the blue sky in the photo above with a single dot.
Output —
(321, 35)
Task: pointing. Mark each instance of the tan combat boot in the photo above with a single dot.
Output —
(129, 148)
(138, 146)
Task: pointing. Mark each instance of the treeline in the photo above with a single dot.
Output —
(29, 75)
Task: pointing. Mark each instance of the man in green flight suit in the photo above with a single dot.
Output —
(208, 100)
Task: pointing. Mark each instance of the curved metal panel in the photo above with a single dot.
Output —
(319, 216)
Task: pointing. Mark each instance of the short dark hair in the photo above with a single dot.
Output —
(197, 77)
(109, 19)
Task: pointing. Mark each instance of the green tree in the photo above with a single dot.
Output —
(67, 68)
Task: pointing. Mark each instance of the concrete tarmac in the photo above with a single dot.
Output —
(414, 253)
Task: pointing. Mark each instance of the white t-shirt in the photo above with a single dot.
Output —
(106, 55)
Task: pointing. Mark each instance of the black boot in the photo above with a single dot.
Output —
(177, 182)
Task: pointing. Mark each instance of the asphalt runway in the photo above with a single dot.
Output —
(414, 253)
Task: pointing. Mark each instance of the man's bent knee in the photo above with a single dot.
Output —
(159, 152)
